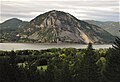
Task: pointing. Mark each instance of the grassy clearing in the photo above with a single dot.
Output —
(21, 64)
(38, 67)
(42, 67)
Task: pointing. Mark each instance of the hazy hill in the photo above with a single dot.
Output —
(12, 24)
(9, 29)
(111, 27)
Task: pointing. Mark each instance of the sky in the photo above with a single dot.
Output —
(26, 10)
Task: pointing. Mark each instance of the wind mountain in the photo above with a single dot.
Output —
(60, 27)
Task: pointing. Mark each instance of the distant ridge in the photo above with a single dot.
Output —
(12, 24)
(110, 26)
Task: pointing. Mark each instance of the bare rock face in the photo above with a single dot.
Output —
(57, 26)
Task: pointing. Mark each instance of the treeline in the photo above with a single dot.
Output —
(61, 65)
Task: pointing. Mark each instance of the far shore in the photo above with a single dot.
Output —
(57, 43)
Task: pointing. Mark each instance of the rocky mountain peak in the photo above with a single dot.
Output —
(58, 26)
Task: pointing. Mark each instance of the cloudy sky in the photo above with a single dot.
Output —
(102, 10)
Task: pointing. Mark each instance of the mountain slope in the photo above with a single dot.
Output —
(57, 26)
(111, 27)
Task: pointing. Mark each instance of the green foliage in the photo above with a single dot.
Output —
(54, 65)
(111, 72)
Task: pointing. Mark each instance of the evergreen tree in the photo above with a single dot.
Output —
(12, 59)
(90, 47)
(90, 71)
(50, 71)
(9, 72)
(111, 73)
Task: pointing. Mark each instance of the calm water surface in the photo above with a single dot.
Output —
(38, 46)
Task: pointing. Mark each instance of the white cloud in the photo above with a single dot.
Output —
(82, 9)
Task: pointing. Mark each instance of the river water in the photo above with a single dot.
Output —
(39, 46)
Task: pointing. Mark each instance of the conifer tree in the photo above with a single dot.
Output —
(90, 47)
(111, 72)
(12, 60)
(89, 67)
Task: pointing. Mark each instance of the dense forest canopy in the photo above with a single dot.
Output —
(61, 65)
